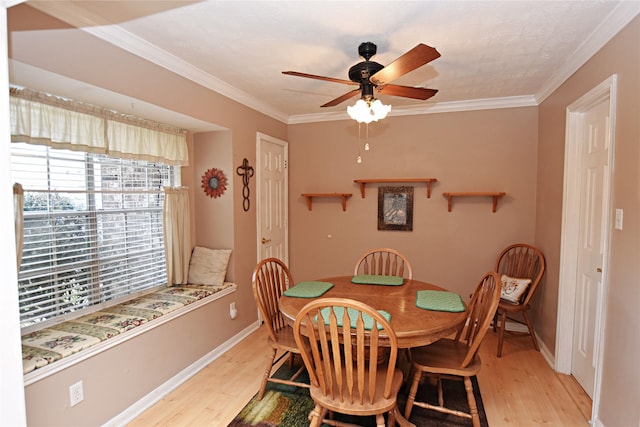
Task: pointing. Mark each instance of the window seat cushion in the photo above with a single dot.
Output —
(53, 343)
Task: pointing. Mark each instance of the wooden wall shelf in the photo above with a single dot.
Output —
(363, 182)
(343, 196)
(495, 195)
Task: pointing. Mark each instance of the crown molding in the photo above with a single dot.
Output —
(152, 53)
(125, 40)
(440, 107)
(134, 44)
(468, 105)
(610, 26)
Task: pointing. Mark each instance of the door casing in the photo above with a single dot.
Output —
(263, 140)
(570, 229)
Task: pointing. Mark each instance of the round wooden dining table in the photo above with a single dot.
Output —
(414, 326)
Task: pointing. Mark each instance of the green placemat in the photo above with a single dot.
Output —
(439, 301)
(373, 279)
(353, 316)
(308, 289)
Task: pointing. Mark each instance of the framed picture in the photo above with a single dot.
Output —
(395, 208)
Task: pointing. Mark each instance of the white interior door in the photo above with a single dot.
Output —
(586, 233)
(591, 245)
(272, 195)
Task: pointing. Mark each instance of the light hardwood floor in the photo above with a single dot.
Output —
(519, 389)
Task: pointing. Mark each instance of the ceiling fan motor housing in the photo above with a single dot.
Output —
(361, 72)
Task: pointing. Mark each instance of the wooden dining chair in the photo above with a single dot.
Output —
(384, 262)
(457, 358)
(519, 265)
(270, 279)
(341, 340)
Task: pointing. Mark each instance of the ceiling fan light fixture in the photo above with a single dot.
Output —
(368, 111)
(379, 109)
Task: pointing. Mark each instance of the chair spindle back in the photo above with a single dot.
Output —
(340, 341)
(270, 279)
(384, 262)
(523, 261)
(482, 308)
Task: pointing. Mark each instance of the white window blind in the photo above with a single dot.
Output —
(92, 229)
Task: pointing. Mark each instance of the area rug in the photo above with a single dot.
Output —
(288, 406)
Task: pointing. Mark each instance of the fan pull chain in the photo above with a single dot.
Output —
(366, 144)
(359, 159)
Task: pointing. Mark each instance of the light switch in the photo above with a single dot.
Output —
(618, 219)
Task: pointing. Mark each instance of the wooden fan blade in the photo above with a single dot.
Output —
(407, 91)
(416, 57)
(313, 76)
(342, 98)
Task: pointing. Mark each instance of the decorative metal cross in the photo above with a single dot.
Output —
(246, 172)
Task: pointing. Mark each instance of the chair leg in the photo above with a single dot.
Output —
(267, 374)
(405, 363)
(380, 420)
(440, 393)
(316, 416)
(391, 421)
(412, 393)
(473, 408)
(530, 326)
(407, 379)
(501, 328)
(402, 421)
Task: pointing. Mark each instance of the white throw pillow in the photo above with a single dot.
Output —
(208, 266)
(513, 288)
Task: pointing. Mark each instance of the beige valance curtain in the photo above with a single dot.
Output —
(177, 234)
(38, 123)
(134, 142)
(18, 216)
(40, 118)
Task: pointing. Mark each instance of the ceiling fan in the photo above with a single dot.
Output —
(371, 76)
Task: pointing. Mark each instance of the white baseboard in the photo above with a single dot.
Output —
(546, 353)
(516, 327)
(150, 399)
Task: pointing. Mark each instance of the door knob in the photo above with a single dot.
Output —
(265, 240)
(599, 270)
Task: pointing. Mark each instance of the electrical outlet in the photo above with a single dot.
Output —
(233, 312)
(76, 394)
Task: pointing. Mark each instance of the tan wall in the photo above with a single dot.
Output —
(510, 150)
(110, 383)
(115, 379)
(620, 376)
(213, 216)
(489, 150)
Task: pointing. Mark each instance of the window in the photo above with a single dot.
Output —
(92, 229)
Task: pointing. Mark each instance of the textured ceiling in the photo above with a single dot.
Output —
(494, 53)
